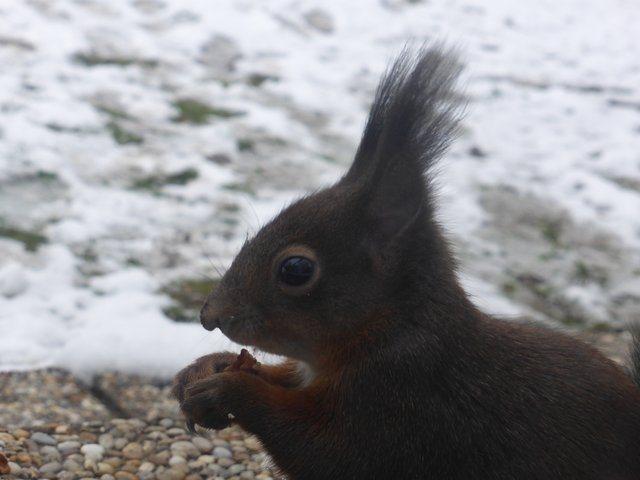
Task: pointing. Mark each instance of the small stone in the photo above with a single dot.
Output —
(176, 460)
(7, 437)
(125, 476)
(71, 465)
(68, 447)
(49, 468)
(218, 442)
(226, 461)
(222, 452)
(177, 472)
(43, 439)
(115, 462)
(132, 450)
(167, 422)
(105, 468)
(185, 449)
(50, 454)
(131, 465)
(147, 467)
(24, 458)
(20, 433)
(91, 464)
(88, 437)
(93, 451)
(161, 458)
(66, 475)
(193, 476)
(62, 430)
(248, 475)
(175, 431)
(202, 444)
(4, 465)
(236, 468)
(14, 468)
(106, 440)
(107, 476)
(206, 459)
(120, 443)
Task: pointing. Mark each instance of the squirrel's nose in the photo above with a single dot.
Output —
(210, 316)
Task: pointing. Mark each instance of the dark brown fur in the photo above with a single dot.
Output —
(406, 378)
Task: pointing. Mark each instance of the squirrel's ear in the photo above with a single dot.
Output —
(412, 121)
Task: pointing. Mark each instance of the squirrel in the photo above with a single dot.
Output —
(392, 371)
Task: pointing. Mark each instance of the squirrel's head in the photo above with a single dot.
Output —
(327, 265)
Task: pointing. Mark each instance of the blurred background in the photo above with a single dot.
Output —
(142, 140)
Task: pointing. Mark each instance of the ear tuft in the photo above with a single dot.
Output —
(413, 118)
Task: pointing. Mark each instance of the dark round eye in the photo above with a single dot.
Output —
(296, 271)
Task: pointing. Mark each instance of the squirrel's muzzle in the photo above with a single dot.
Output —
(210, 316)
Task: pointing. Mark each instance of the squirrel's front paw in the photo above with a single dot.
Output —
(202, 368)
(212, 402)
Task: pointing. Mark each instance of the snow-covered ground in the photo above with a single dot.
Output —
(140, 140)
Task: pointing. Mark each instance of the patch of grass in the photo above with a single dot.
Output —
(31, 240)
(46, 176)
(571, 320)
(257, 79)
(88, 255)
(112, 112)
(552, 231)
(584, 273)
(57, 128)
(628, 183)
(198, 113)
(229, 207)
(122, 136)
(187, 298)
(156, 182)
(133, 262)
(93, 59)
(246, 145)
(238, 187)
(600, 327)
(508, 287)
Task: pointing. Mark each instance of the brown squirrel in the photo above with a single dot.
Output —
(393, 372)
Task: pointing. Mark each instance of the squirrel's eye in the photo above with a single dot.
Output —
(296, 271)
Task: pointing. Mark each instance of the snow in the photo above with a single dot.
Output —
(553, 119)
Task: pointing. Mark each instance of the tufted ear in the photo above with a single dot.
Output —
(412, 121)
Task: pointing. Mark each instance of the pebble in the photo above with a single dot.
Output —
(106, 440)
(146, 467)
(50, 454)
(105, 468)
(14, 468)
(43, 439)
(122, 475)
(132, 450)
(68, 447)
(202, 444)
(176, 459)
(20, 433)
(93, 451)
(222, 452)
(185, 449)
(177, 472)
(51, 467)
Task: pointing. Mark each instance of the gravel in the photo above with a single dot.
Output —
(54, 426)
(150, 452)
